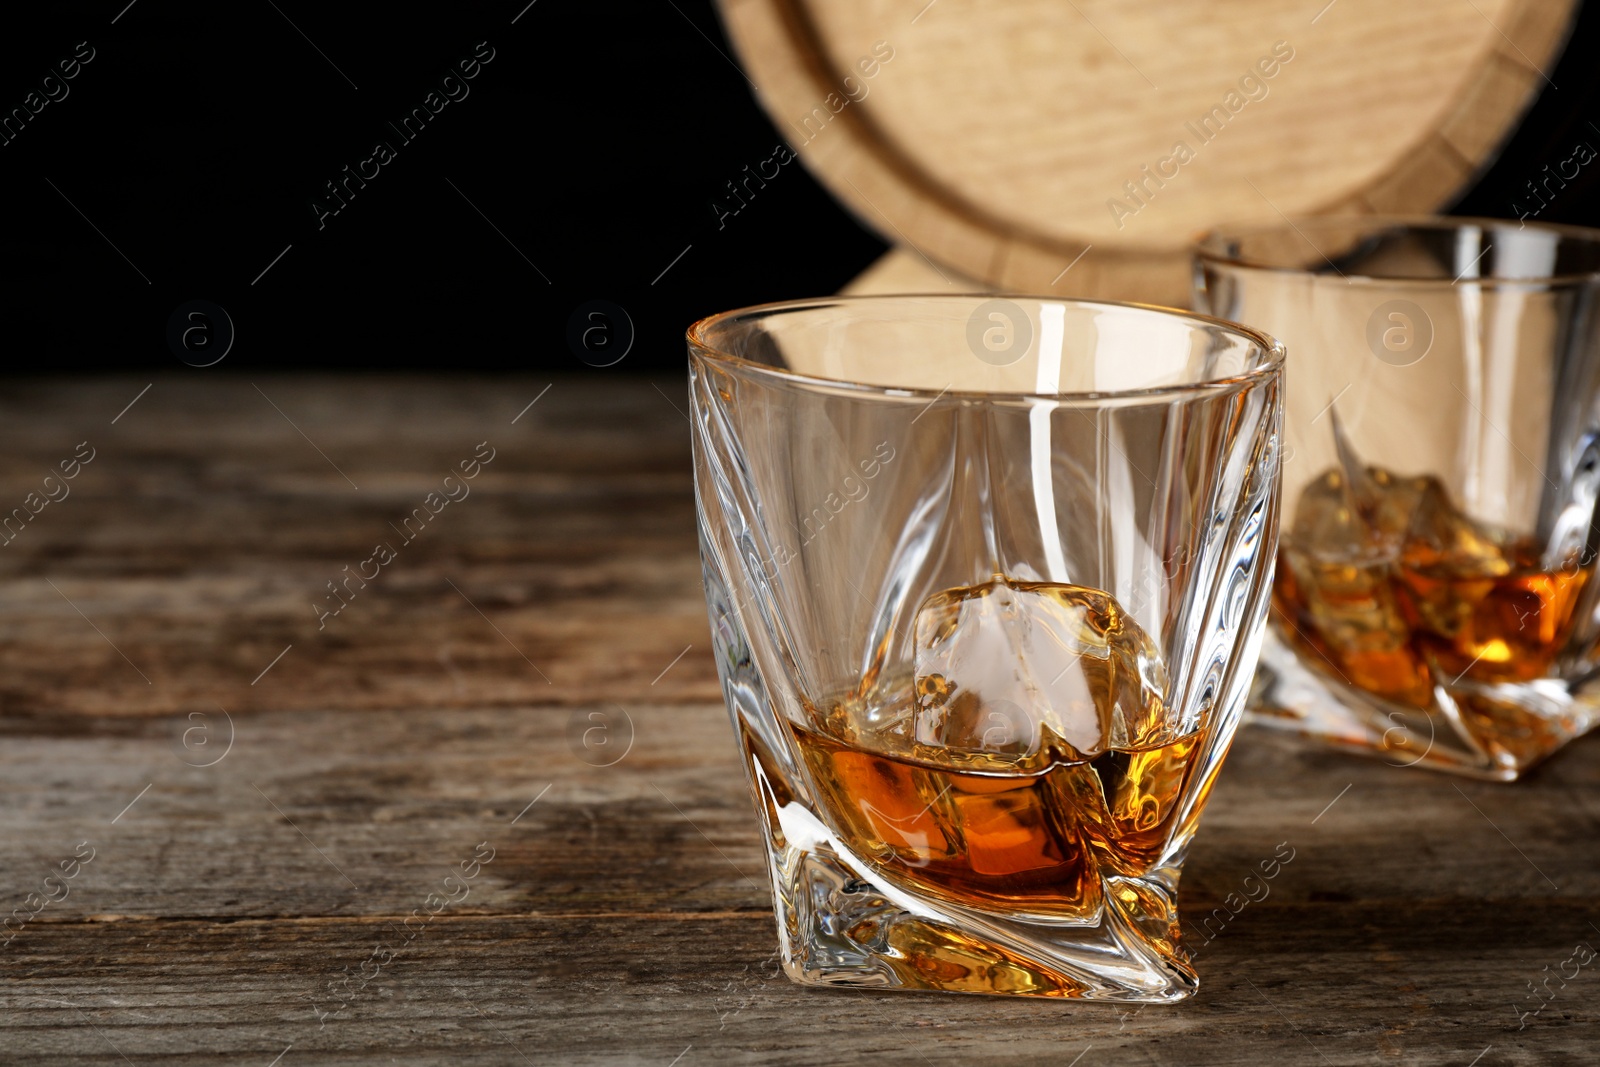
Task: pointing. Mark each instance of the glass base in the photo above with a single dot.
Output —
(842, 923)
(1493, 732)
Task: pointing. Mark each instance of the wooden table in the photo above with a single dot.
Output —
(250, 902)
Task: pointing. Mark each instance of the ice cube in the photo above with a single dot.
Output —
(1441, 537)
(1328, 524)
(1346, 609)
(1015, 669)
(1395, 508)
(1385, 503)
(1336, 522)
(1449, 564)
(1338, 589)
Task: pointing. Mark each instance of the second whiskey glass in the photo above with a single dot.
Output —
(1435, 599)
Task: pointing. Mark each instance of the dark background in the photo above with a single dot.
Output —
(591, 148)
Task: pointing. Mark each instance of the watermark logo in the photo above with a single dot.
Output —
(999, 332)
(600, 333)
(200, 333)
(52, 88)
(1400, 738)
(781, 154)
(1539, 188)
(1006, 726)
(350, 985)
(1138, 193)
(600, 737)
(203, 741)
(1399, 333)
(12, 525)
(451, 87)
(1234, 902)
(1582, 955)
(816, 120)
(411, 527)
(53, 890)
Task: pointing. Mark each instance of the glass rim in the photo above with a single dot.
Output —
(1271, 363)
(1204, 250)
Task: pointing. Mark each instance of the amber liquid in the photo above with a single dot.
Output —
(1461, 603)
(1492, 629)
(1027, 836)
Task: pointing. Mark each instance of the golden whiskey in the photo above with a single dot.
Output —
(1382, 579)
(1033, 837)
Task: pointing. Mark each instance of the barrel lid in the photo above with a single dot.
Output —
(1077, 146)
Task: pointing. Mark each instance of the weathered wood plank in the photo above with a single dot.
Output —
(640, 990)
(202, 536)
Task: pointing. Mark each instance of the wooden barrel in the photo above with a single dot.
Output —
(1075, 147)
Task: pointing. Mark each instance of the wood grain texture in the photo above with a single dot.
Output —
(624, 917)
(994, 138)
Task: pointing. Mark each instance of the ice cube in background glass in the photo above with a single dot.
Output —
(1329, 526)
(1439, 535)
(1350, 528)
(1337, 590)
(1383, 502)
(1014, 669)
(1408, 517)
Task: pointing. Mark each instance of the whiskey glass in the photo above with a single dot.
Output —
(987, 580)
(1435, 602)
